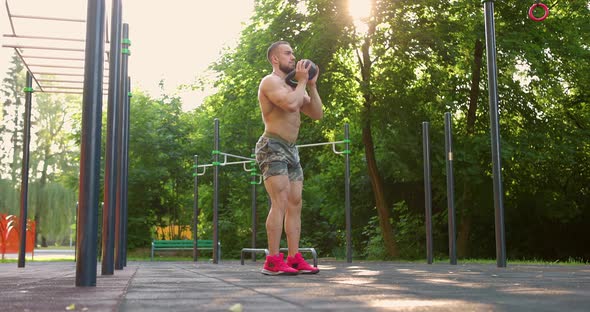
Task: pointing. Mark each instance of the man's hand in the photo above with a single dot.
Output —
(302, 72)
(312, 81)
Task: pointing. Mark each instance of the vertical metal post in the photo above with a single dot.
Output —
(110, 213)
(450, 189)
(24, 184)
(216, 194)
(495, 133)
(347, 208)
(195, 207)
(121, 152)
(125, 168)
(427, 191)
(253, 183)
(90, 146)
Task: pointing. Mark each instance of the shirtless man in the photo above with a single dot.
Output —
(277, 156)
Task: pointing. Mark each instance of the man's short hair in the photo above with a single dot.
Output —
(273, 47)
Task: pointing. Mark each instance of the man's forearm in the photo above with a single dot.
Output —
(316, 110)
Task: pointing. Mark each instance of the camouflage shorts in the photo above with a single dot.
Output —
(276, 156)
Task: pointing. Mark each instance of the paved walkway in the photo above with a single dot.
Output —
(360, 286)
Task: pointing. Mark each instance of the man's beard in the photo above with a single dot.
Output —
(286, 68)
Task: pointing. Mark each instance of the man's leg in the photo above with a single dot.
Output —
(293, 230)
(293, 217)
(278, 189)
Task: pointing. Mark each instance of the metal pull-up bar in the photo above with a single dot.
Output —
(249, 160)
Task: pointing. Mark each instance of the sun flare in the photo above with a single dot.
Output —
(359, 9)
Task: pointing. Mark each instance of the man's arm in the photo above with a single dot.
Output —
(313, 106)
(279, 94)
(286, 98)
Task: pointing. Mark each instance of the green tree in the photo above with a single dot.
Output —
(12, 108)
(54, 155)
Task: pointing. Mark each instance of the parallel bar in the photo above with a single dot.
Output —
(236, 156)
(54, 57)
(427, 191)
(60, 74)
(216, 196)
(450, 189)
(56, 66)
(19, 46)
(27, 66)
(62, 87)
(495, 133)
(89, 189)
(319, 144)
(121, 155)
(64, 81)
(235, 163)
(347, 208)
(64, 92)
(42, 38)
(110, 214)
(126, 167)
(61, 80)
(24, 186)
(57, 19)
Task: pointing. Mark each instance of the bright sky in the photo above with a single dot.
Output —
(174, 40)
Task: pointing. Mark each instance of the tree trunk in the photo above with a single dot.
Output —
(468, 206)
(16, 141)
(381, 203)
(41, 201)
(378, 192)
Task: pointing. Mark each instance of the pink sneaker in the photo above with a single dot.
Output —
(300, 265)
(274, 265)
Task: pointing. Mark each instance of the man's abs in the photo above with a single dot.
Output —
(282, 124)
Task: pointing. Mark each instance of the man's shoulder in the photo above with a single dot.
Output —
(271, 78)
(272, 82)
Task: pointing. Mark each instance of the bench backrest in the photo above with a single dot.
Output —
(182, 243)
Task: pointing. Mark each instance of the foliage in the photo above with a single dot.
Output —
(422, 59)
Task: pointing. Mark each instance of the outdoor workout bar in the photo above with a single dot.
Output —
(17, 46)
(24, 187)
(92, 90)
(246, 160)
(53, 57)
(90, 146)
(427, 191)
(111, 169)
(495, 132)
(42, 37)
(57, 19)
(450, 189)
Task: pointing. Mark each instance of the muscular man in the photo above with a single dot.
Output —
(277, 156)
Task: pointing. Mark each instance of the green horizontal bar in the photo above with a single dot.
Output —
(347, 141)
(126, 41)
(129, 94)
(216, 163)
(126, 51)
(215, 152)
(252, 182)
(28, 89)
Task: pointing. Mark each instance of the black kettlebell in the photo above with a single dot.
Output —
(290, 78)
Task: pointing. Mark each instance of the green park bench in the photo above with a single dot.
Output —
(181, 244)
